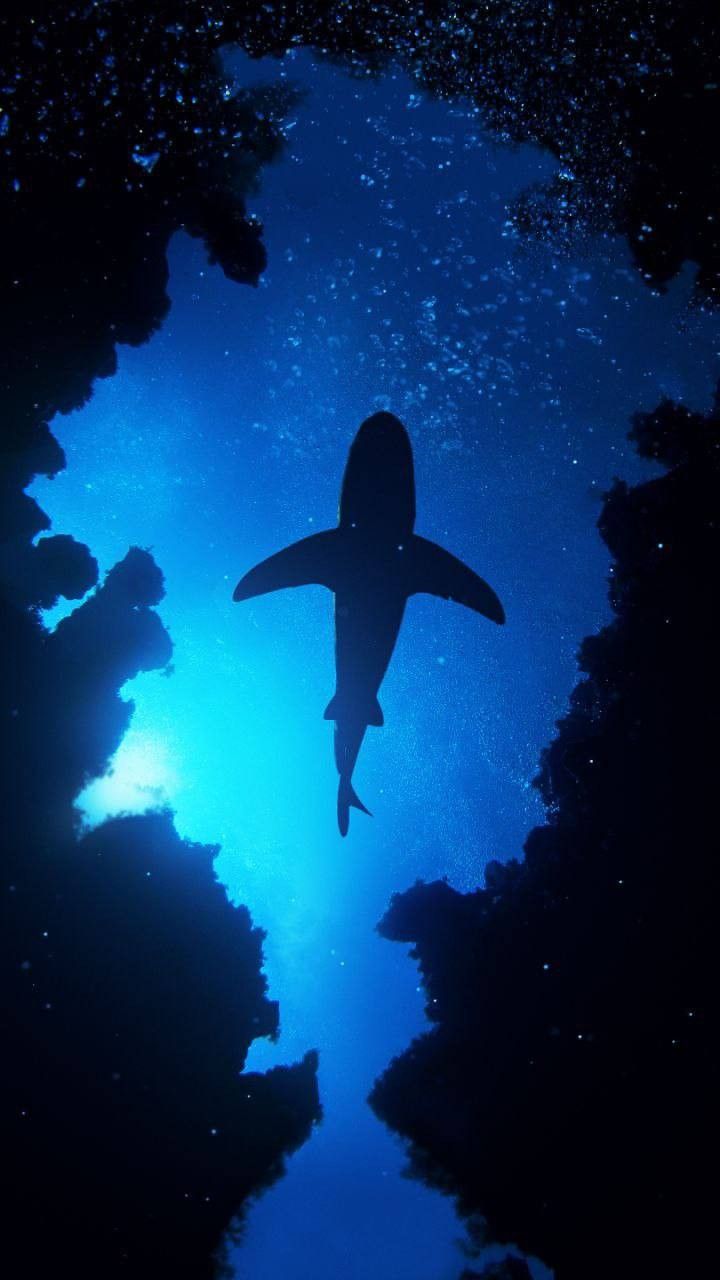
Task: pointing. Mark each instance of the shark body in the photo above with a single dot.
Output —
(373, 561)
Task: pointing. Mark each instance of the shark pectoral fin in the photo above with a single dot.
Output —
(439, 573)
(312, 560)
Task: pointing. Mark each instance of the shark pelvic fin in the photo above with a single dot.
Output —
(332, 709)
(376, 717)
(348, 799)
(373, 714)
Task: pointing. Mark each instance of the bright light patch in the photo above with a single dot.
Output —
(141, 777)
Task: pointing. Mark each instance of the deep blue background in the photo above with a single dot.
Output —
(395, 281)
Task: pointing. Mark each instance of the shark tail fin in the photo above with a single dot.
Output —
(348, 799)
(374, 714)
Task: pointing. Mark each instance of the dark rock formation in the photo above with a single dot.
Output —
(131, 988)
(509, 1269)
(566, 1091)
(625, 95)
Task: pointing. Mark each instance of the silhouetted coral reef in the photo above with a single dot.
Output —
(132, 990)
(509, 1269)
(131, 987)
(567, 1087)
(117, 118)
(624, 95)
(117, 127)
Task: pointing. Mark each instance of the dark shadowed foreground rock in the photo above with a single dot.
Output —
(130, 988)
(567, 1089)
(509, 1269)
(624, 94)
(117, 119)
(131, 992)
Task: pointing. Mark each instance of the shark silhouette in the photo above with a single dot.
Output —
(372, 562)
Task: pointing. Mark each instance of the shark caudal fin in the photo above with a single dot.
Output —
(347, 800)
